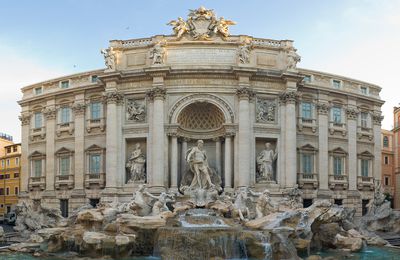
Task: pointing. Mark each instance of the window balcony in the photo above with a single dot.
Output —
(306, 180)
(65, 127)
(95, 179)
(95, 123)
(338, 181)
(37, 182)
(337, 127)
(365, 131)
(39, 131)
(64, 181)
(365, 182)
(310, 123)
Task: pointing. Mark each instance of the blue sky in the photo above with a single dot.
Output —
(44, 39)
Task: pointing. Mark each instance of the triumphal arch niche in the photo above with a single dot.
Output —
(200, 109)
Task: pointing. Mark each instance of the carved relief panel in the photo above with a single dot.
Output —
(266, 110)
(135, 110)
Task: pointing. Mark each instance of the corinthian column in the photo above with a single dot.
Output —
(228, 161)
(352, 114)
(157, 96)
(244, 137)
(289, 98)
(323, 163)
(174, 161)
(25, 174)
(377, 119)
(50, 114)
(113, 99)
(79, 120)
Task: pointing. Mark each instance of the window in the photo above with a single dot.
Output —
(364, 119)
(17, 161)
(337, 165)
(6, 176)
(7, 191)
(307, 78)
(16, 175)
(37, 168)
(2, 163)
(94, 164)
(1, 177)
(38, 91)
(8, 149)
(94, 78)
(16, 190)
(386, 160)
(64, 84)
(385, 141)
(364, 90)
(337, 115)
(38, 120)
(306, 109)
(336, 83)
(64, 165)
(8, 162)
(1, 191)
(364, 167)
(65, 115)
(338, 202)
(15, 149)
(387, 183)
(8, 209)
(95, 110)
(307, 163)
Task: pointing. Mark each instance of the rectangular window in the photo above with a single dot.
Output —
(7, 191)
(1, 177)
(65, 115)
(337, 115)
(364, 90)
(37, 168)
(8, 149)
(306, 108)
(64, 84)
(15, 149)
(16, 190)
(38, 91)
(307, 164)
(17, 161)
(94, 163)
(64, 165)
(16, 175)
(8, 162)
(337, 165)
(364, 119)
(94, 78)
(6, 176)
(386, 160)
(307, 78)
(95, 110)
(364, 167)
(1, 191)
(336, 83)
(386, 180)
(38, 120)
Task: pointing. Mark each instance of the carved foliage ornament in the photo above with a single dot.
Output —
(244, 93)
(136, 110)
(201, 24)
(352, 113)
(155, 93)
(377, 118)
(113, 97)
(265, 110)
(323, 108)
(49, 112)
(289, 96)
(78, 108)
(25, 119)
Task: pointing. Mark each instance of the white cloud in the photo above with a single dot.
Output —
(17, 70)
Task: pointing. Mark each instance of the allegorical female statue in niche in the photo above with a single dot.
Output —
(135, 165)
(265, 161)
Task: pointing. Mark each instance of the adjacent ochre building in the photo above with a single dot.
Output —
(10, 167)
(99, 134)
(388, 164)
(396, 149)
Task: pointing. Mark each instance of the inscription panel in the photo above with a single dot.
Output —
(136, 59)
(201, 56)
(266, 59)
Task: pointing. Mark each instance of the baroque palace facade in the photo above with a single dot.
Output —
(264, 122)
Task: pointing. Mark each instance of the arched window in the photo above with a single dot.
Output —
(385, 141)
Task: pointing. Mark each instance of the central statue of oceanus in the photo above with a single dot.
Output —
(200, 182)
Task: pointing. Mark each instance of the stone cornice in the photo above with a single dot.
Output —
(159, 71)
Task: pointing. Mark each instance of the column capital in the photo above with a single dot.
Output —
(49, 112)
(245, 93)
(156, 93)
(323, 108)
(289, 97)
(79, 108)
(113, 97)
(377, 117)
(25, 119)
(352, 113)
